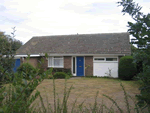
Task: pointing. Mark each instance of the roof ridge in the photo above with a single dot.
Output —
(79, 34)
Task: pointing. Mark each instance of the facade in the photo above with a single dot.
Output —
(83, 55)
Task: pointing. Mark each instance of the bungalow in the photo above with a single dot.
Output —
(83, 54)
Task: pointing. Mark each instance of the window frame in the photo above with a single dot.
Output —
(99, 60)
(111, 57)
(53, 57)
(104, 59)
(75, 65)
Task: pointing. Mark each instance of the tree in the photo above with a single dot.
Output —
(8, 46)
(140, 30)
(133, 49)
(16, 96)
(15, 44)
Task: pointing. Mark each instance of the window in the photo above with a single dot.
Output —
(111, 59)
(99, 59)
(105, 59)
(56, 62)
(74, 64)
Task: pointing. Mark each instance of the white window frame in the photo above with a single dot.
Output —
(53, 62)
(104, 59)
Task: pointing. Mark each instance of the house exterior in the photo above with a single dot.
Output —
(83, 54)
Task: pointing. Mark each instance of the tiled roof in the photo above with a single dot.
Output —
(104, 43)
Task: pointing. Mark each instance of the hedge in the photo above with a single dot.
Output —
(127, 69)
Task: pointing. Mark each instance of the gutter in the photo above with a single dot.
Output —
(18, 56)
(42, 54)
(85, 55)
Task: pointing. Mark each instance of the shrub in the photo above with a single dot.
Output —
(144, 78)
(60, 75)
(141, 57)
(127, 69)
(27, 70)
(69, 73)
(61, 70)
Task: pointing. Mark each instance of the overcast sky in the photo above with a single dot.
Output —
(58, 17)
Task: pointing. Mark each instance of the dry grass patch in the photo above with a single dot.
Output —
(86, 88)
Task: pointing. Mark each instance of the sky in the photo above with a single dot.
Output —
(61, 17)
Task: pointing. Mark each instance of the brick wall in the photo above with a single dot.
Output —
(67, 62)
(44, 65)
(33, 61)
(88, 65)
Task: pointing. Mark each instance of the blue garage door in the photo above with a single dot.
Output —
(17, 64)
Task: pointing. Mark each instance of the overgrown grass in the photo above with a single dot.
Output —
(61, 106)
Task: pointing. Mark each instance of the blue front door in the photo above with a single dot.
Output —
(80, 66)
(17, 64)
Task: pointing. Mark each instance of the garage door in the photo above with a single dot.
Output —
(105, 67)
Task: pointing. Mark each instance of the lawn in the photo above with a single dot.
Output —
(86, 88)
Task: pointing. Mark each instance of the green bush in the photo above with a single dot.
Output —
(69, 73)
(127, 69)
(26, 70)
(144, 78)
(60, 75)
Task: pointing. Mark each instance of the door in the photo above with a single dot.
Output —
(102, 69)
(17, 64)
(80, 66)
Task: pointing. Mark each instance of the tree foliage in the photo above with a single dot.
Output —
(27, 70)
(18, 98)
(133, 49)
(140, 30)
(6, 56)
(8, 46)
(144, 77)
(15, 44)
(15, 97)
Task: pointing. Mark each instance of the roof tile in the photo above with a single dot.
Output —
(105, 43)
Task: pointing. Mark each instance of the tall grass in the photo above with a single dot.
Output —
(62, 107)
